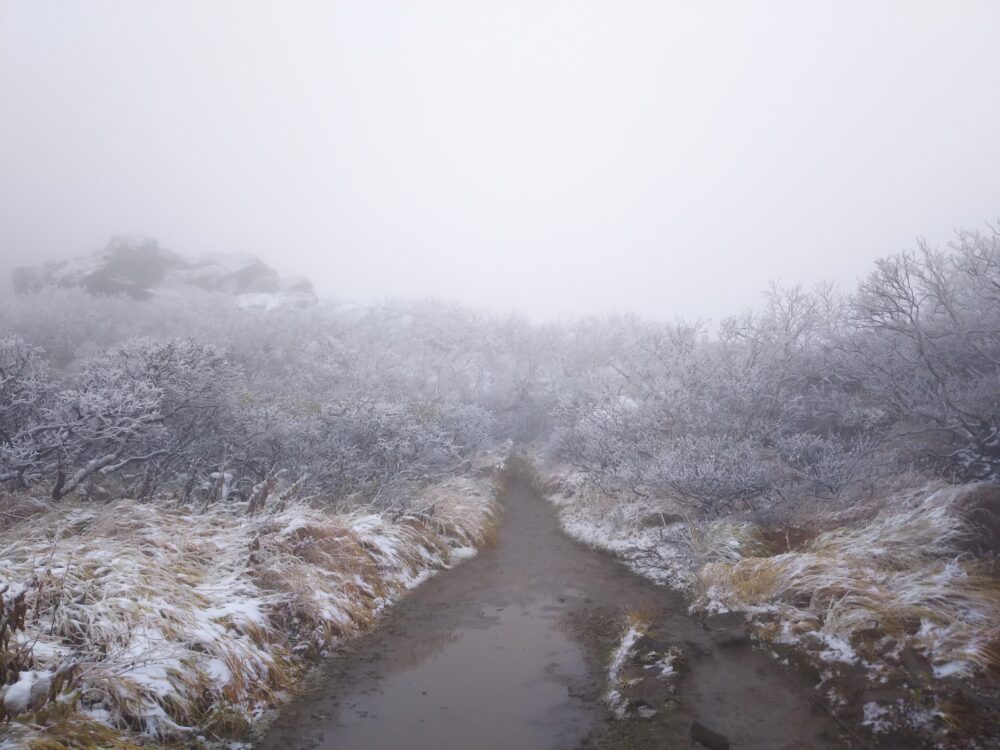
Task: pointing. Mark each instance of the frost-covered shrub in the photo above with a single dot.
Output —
(25, 387)
(100, 417)
(376, 442)
(352, 399)
(143, 404)
(827, 464)
(467, 426)
(712, 474)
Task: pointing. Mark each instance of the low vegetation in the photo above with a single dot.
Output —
(198, 631)
(826, 464)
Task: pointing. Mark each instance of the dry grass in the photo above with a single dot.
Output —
(18, 507)
(182, 620)
(726, 541)
(901, 581)
(75, 733)
(904, 573)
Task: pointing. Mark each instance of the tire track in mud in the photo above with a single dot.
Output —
(510, 650)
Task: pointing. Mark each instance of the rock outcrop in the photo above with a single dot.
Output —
(139, 268)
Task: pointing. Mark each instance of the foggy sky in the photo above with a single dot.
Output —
(560, 158)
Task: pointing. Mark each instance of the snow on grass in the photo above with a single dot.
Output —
(647, 536)
(882, 718)
(179, 620)
(669, 663)
(910, 588)
(877, 718)
(635, 627)
(904, 573)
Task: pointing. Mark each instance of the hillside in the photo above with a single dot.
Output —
(139, 268)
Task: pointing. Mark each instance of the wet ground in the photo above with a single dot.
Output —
(509, 650)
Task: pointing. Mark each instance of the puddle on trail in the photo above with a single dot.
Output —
(502, 682)
(508, 650)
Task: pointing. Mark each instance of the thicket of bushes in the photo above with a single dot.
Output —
(205, 401)
(817, 395)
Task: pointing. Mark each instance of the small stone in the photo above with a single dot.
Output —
(697, 649)
(723, 621)
(731, 638)
(916, 664)
(706, 737)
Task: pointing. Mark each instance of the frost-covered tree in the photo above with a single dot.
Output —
(144, 403)
(103, 419)
(926, 347)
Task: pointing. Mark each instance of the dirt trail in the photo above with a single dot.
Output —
(509, 650)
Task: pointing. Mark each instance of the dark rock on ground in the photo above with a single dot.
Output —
(731, 638)
(723, 621)
(916, 664)
(708, 738)
(697, 649)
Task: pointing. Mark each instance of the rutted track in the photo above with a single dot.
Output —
(508, 650)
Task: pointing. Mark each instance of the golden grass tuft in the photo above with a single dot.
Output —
(905, 573)
(75, 732)
(639, 618)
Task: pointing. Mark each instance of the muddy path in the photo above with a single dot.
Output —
(509, 650)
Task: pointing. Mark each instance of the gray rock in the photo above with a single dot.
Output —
(916, 664)
(731, 638)
(723, 621)
(697, 649)
(708, 738)
(137, 266)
